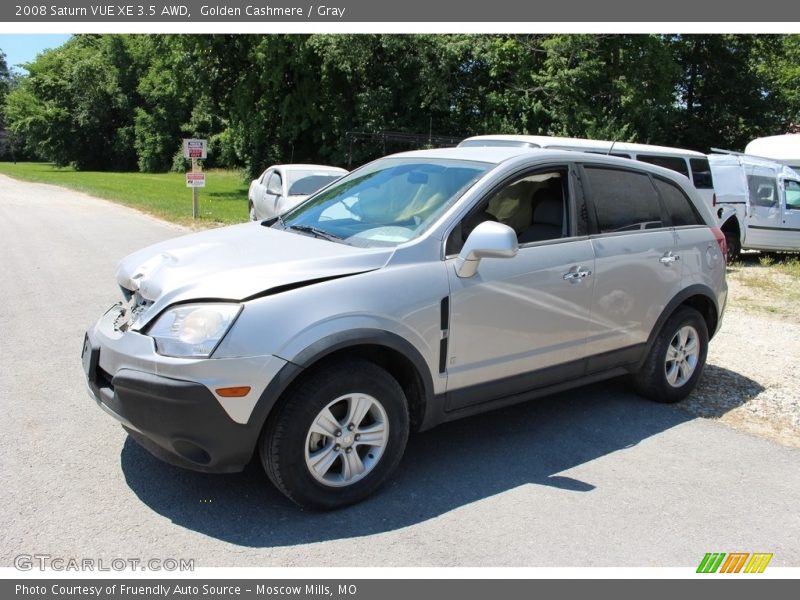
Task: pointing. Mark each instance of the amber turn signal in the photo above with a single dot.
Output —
(234, 392)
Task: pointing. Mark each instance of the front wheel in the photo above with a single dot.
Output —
(676, 359)
(338, 436)
(734, 245)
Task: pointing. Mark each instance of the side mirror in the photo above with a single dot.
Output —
(488, 240)
(274, 188)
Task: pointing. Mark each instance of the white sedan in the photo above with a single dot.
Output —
(282, 187)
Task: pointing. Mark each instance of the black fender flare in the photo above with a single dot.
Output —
(327, 346)
(697, 289)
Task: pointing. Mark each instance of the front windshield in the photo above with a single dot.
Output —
(387, 202)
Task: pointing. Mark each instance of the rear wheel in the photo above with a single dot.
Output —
(676, 359)
(338, 436)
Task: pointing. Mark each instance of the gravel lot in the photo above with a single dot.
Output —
(750, 381)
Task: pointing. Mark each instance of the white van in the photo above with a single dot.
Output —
(689, 163)
(758, 203)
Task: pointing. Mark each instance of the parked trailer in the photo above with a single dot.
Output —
(784, 149)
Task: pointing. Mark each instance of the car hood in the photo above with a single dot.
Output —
(238, 262)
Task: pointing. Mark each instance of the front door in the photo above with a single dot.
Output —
(516, 317)
(790, 223)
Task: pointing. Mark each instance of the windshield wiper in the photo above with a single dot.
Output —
(331, 237)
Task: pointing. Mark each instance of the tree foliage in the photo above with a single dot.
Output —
(125, 101)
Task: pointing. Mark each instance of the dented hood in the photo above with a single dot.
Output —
(235, 263)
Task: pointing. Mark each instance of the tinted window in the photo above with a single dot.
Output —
(763, 191)
(674, 163)
(701, 174)
(623, 200)
(678, 205)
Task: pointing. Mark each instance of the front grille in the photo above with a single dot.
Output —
(103, 379)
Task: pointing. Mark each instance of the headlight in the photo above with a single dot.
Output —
(193, 330)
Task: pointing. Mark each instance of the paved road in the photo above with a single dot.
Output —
(596, 477)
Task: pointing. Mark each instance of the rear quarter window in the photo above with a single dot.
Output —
(623, 200)
(678, 205)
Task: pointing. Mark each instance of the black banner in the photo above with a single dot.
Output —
(408, 11)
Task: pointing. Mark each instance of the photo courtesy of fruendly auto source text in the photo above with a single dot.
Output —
(385, 300)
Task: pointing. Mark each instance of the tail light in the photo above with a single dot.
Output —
(723, 245)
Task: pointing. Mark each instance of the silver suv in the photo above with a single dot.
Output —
(420, 288)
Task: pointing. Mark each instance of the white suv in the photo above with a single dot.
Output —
(420, 288)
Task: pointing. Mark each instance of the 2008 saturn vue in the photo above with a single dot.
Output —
(420, 288)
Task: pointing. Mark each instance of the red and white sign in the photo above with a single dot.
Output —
(194, 148)
(194, 179)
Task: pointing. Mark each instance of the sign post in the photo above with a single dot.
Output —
(195, 149)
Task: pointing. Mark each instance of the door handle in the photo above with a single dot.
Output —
(576, 274)
(669, 258)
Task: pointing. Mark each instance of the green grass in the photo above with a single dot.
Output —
(165, 195)
(770, 283)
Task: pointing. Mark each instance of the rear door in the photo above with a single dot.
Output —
(637, 263)
(764, 219)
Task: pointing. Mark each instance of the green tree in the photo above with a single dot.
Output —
(73, 107)
(724, 98)
(5, 88)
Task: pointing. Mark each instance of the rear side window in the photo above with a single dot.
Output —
(677, 204)
(701, 174)
(623, 200)
(674, 163)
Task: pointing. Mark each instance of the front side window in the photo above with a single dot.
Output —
(673, 163)
(623, 200)
(792, 194)
(387, 202)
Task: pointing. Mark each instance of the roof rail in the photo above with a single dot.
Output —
(723, 151)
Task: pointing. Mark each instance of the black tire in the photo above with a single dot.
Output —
(284, 443)
(734, 245)
(651, 380)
